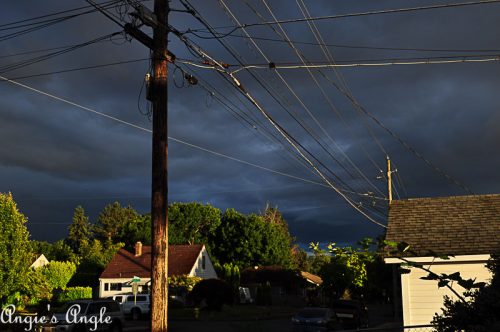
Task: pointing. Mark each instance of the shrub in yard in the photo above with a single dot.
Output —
(180, 284)
(214, 292)
(58, 274)
(73, 293)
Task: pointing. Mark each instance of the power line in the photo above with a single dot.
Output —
(42, 24)
(427, 61)
(254, 122)
(303, 59)
(368, 13)
(43, 50)
(349, 46)
(55, 14)
(292, 91)
(307, 109)
(77, 69)
(309, 131)
(192, 145)
(281, 130)
(24, 63)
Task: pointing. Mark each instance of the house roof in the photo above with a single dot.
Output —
(181, 259)
(311, 278)
(458, 225)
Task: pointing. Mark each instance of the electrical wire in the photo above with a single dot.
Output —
(55, 14)
(323, 130)
(348, 93)
(40, 25)
(28, 62)
(348, 15)
(41, 50)
(190, 8)
(181, 141)
(281, 130)
(221, 72)
(427, 61)
(348, 46)
(303, 59)
(77, 69)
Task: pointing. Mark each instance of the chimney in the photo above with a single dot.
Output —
(138, 249)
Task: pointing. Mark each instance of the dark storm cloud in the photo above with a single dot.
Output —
(55, 156)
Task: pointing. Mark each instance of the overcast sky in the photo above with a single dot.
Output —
(55, 156)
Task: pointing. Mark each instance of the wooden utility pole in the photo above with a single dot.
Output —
(159, 185)
(389, 179)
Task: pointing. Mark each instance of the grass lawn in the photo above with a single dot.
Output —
(229, 313)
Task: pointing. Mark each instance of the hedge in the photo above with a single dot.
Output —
(74, 293)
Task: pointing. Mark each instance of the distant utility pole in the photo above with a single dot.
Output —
(389, 179)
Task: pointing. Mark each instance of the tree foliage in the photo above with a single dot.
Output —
(58, 274)
(230, 273)
(80, 230)
(352, 271)
(346, 270)
(94, 256)
(248, 240)
(15, 254)
(111, 221)
(191, 223)
(135, 230)
(57, 251)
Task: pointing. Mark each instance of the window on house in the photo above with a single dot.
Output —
(114, 286)
(106, 286)
(203, 262)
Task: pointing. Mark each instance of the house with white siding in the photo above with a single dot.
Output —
(466, 228)
(190, 260)
(40, 261)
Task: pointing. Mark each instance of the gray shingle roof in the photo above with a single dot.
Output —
(458, 225)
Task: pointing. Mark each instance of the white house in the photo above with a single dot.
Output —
(190, 260)
(467, 227)
(39, 262)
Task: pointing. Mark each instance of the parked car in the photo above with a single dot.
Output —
(136, 305)
(88, 311)
(118, 298)
(352, 314)
(315, 320)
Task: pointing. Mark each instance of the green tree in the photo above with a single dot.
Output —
(250, 240)
(191, 223)
(80, 230)
(299, 259)
(111, 221)
(36, 288)
(134, 230)
(15, 254)
(94, 256)
(319, 258)
(58, 274)
(57, 251)
(238, 239)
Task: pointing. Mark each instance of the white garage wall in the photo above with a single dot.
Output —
(422, 298)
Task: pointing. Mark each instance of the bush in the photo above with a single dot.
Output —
(182, 284)
(73, 293)
(214, 292)
(58, 274)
